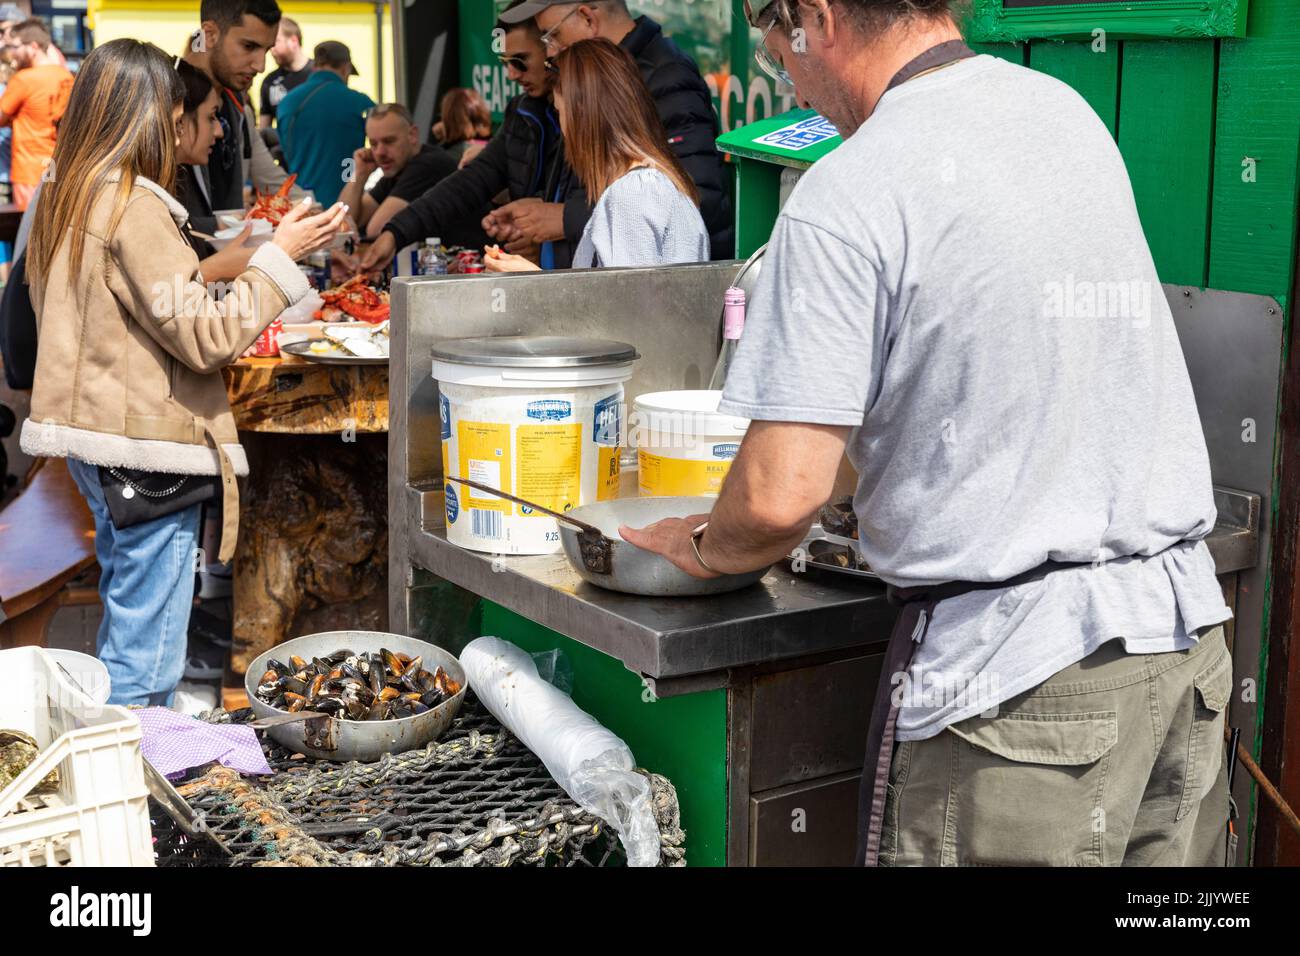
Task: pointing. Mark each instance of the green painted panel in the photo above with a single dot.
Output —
(758, 194)
(1014, 52)
(684, 738)
(1092, 69)
(1252, 240)
(992, 20)
(1166, 135)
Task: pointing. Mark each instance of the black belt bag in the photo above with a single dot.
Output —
(134, 497)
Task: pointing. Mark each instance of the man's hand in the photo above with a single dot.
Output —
(378, 253)
(784, 472)
(363, 163)
(534, 219)
(500, 222)
(671, 538)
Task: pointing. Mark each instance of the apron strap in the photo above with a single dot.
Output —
(941, 54)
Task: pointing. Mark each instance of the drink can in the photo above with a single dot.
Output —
(268, 342)
(472, 268)
(466, 257)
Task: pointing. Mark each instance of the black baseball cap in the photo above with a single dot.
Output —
(526, 11)
(333, 53)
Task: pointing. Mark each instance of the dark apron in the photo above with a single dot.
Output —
(916, 610)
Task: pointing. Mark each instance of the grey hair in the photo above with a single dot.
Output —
(874, 16)
(384, 109)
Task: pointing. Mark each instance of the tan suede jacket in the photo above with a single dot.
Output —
(130, 350)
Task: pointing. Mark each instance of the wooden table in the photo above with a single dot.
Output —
(313, 539)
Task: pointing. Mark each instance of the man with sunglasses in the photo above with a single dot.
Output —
(525, 159)
(680, 94)
(1033, 478)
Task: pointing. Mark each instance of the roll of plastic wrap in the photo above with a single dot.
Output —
(593, 765)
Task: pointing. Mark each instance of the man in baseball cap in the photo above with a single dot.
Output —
(333, 55)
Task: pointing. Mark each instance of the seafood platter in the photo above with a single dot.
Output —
(831, 546)
(345, 344)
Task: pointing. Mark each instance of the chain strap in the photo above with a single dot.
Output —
(145, 491)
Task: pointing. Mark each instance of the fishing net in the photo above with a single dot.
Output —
(475, 797)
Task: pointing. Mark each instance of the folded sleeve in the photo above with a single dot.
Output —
(817, 315)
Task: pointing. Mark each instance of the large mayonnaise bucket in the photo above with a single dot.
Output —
(684, 447)
(539, 417)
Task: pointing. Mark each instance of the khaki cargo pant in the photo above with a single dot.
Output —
(1118, 760)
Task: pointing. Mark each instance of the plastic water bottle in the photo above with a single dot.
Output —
(432, 261)
(733, 323)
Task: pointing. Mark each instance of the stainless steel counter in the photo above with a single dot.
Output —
(784, 616)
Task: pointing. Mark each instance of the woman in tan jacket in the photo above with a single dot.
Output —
(130, 346)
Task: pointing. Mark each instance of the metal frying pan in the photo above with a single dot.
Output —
(590, 540)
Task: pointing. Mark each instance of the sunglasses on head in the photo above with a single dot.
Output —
(755, 9)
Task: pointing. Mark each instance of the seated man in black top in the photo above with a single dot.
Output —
(410, 169)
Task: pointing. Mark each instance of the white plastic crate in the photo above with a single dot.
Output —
(100, 814)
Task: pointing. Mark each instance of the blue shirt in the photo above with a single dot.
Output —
(321, 124)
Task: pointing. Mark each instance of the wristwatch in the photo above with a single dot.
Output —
(696, 535)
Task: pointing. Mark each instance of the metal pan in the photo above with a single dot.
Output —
(808, 556)
(303, 350)
(328, 738)
(632, 570)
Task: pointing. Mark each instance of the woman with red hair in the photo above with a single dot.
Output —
(465, 123)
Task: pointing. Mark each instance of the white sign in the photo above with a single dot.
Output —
(800, 135)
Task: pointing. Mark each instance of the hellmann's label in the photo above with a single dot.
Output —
(662, 476)
(549, 410)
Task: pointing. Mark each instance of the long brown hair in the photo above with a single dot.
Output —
(118, 121)
(465, 115)
(610, 121)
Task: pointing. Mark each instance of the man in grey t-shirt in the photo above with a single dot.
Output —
(962, 296)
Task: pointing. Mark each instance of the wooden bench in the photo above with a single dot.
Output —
(47, 538)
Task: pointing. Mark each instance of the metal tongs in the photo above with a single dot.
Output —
(597, 550)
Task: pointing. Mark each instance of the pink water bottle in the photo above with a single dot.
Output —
(733, 324)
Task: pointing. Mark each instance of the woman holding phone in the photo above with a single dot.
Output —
(131, 343)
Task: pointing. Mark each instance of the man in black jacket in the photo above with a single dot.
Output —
(525, 158)
(680, 94)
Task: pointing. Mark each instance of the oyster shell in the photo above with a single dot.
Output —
(17, 751)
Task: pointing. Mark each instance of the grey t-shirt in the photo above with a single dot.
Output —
(642, 219)
(965, 281)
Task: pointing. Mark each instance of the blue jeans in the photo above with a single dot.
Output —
(146, 583)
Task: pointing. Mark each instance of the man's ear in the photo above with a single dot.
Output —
(211, 35)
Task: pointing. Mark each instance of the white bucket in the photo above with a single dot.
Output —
(547, 434)
(89, 673)
(684, 447)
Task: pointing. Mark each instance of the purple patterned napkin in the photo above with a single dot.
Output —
(174, 743)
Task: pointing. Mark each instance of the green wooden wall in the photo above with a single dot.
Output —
(1210, 132)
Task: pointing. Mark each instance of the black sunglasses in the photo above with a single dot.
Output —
(518, 62)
